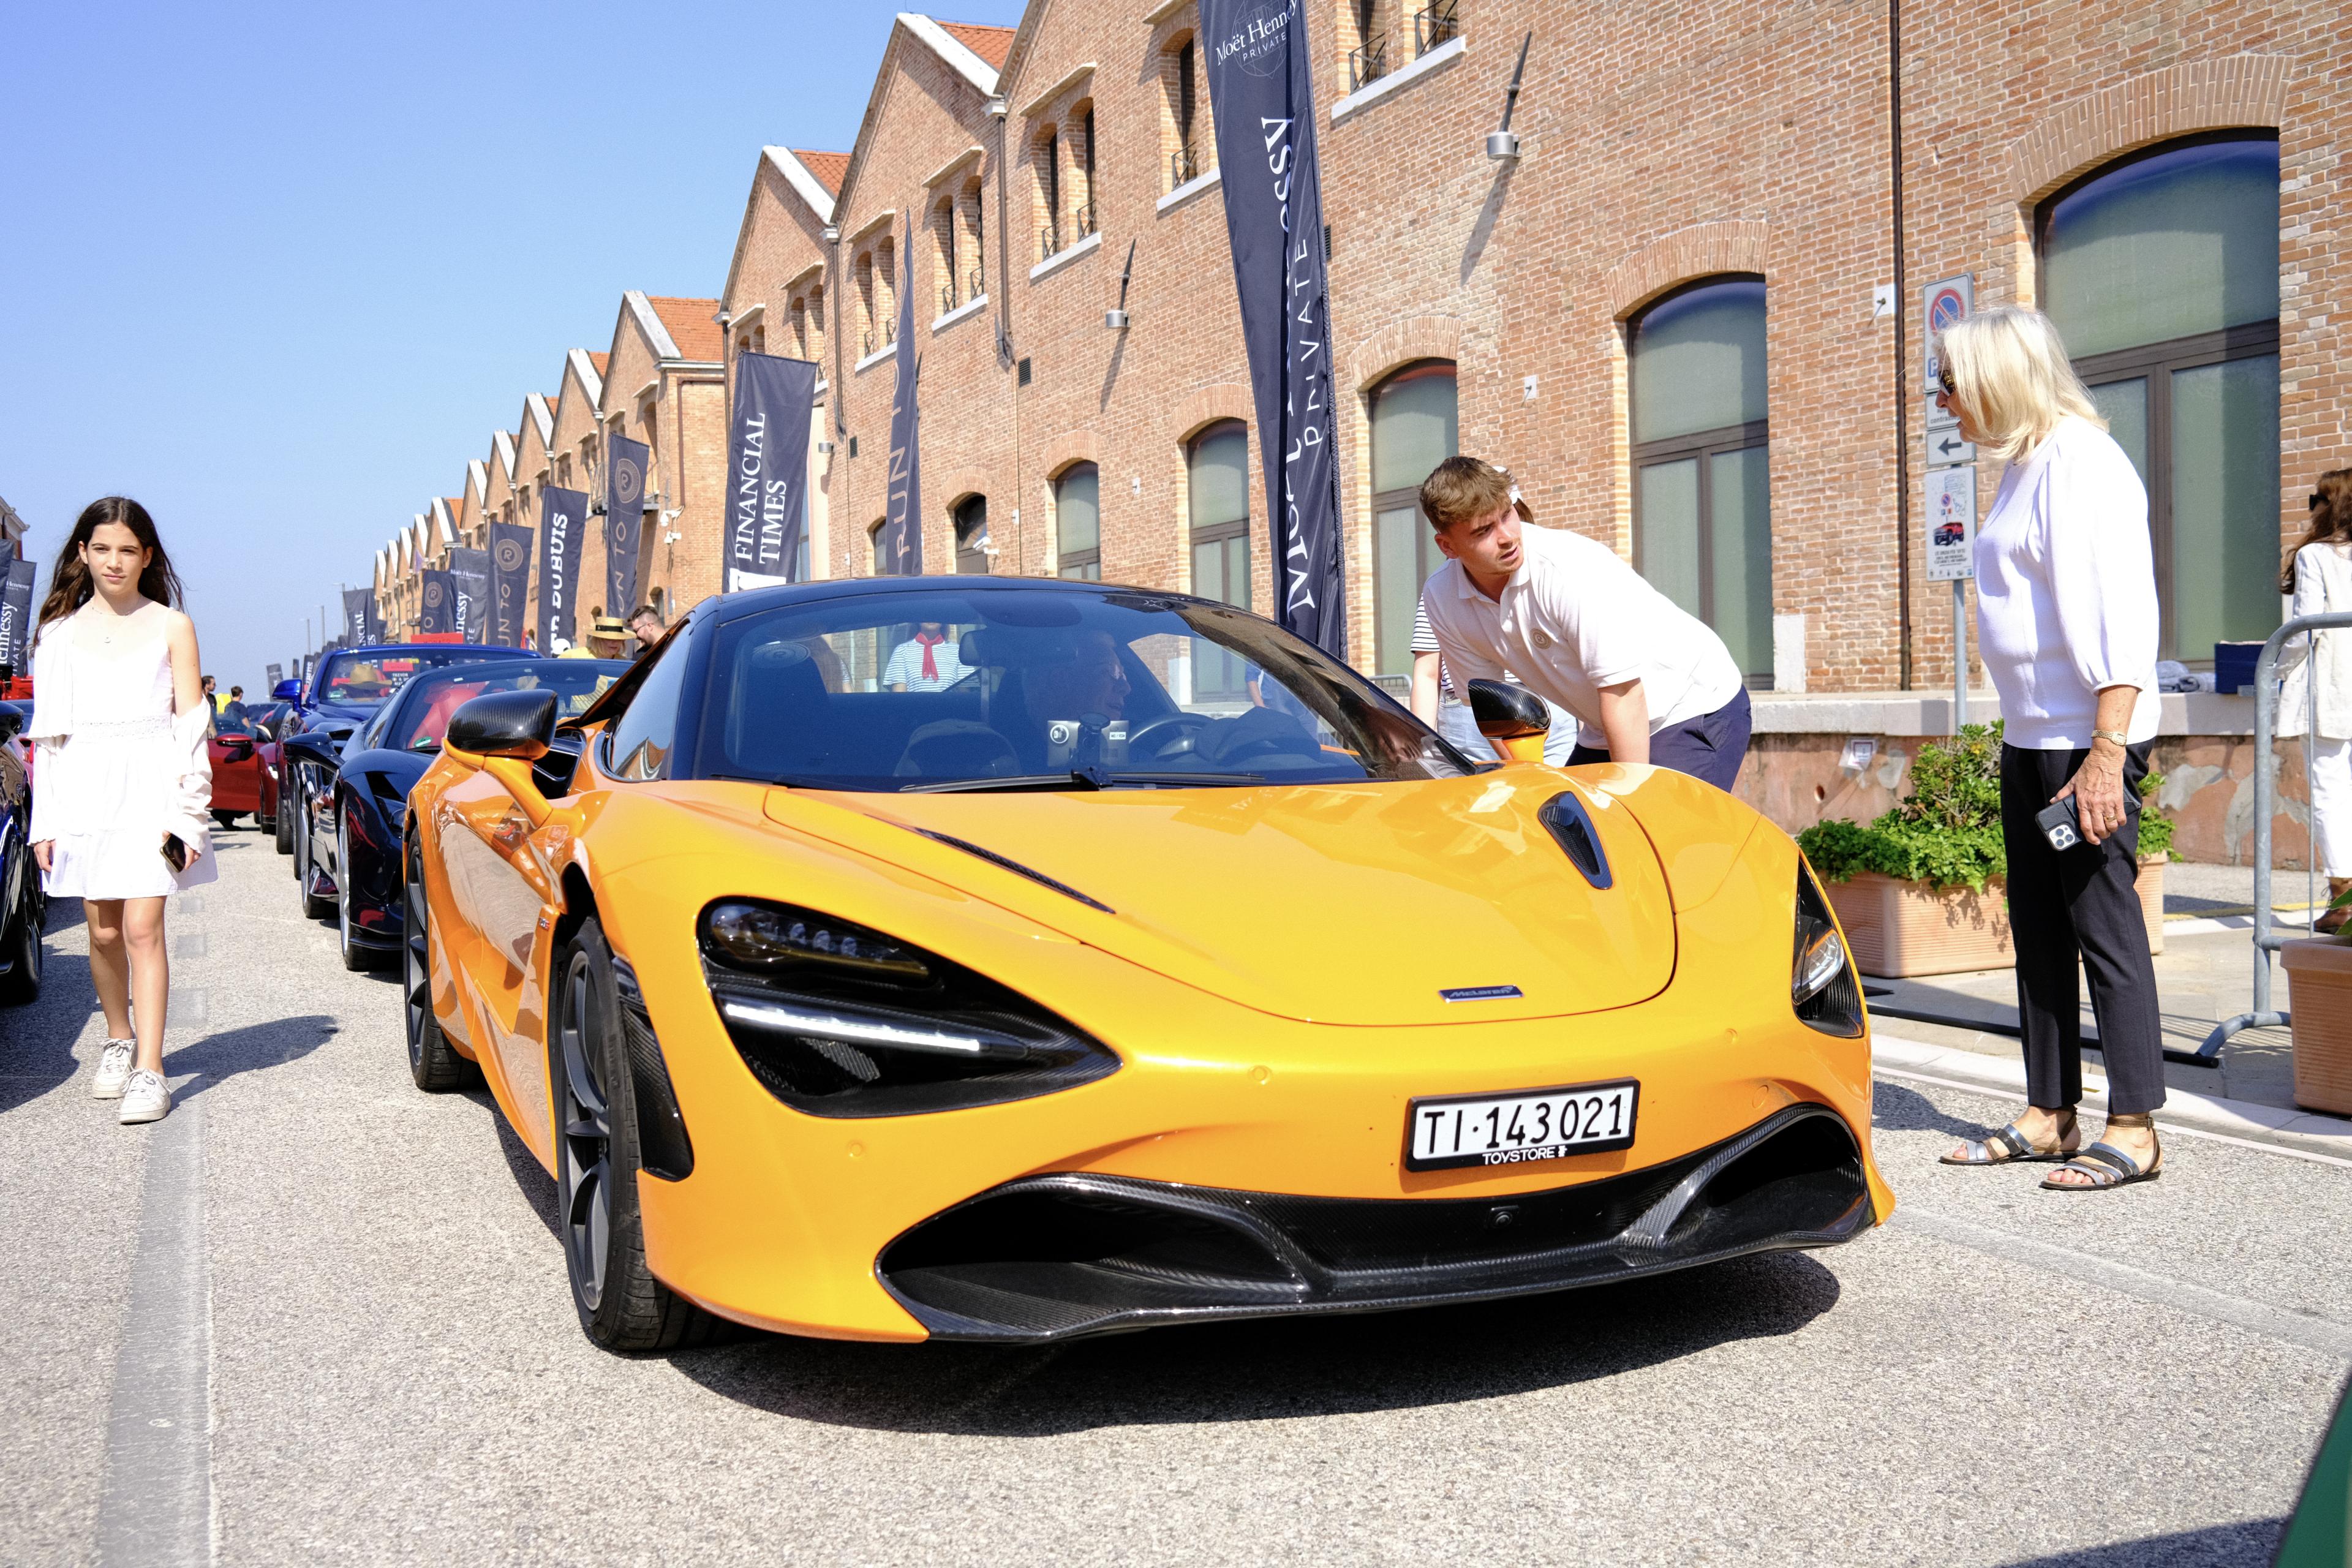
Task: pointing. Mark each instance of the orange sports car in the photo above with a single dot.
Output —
(1012, 959)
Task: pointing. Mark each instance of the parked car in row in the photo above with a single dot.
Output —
(23, 906)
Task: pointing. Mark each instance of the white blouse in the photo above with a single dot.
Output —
(2323, 584)
(2066, 590)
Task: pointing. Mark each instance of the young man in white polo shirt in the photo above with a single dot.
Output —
(1648, 682)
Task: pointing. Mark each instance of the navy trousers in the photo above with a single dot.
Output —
(1709, 747)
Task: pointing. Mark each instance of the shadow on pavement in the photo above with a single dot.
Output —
(2249, 1542)
(258, 1045)
(1270, 1369)
(37, 1040)
(1900, 1110)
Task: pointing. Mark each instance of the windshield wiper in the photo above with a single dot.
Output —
(1080, 778)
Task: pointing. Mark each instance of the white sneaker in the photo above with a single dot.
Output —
(147, 1098)
(113, 1070)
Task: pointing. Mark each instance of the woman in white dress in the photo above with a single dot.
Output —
(121, 781)
(2319, 574)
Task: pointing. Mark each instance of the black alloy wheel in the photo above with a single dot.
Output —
(622, 1306)
(433, 1062)
(316, 906)
(356, 957)
(20, 934)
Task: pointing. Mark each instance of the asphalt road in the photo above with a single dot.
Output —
(317, 1315)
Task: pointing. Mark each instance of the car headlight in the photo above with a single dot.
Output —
(836, 1019)
(1822, 985)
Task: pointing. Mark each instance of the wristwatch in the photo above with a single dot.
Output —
(2117, 736)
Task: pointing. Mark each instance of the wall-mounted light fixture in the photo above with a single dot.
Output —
(1115, 318)
(1503, 145)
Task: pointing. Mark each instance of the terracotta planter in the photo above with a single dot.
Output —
(2151, 898)
(2319, 1006)
(1901, 929)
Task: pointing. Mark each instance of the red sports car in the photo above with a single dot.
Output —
(244, 774)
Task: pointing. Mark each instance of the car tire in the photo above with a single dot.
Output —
(282, 820)
(622, 1306)
(20, 940)
(356, 958)
(226, 818)
(433, 1062)
(315, 905)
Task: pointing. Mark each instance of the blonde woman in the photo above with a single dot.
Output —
(2318, 574)
(2066, 620)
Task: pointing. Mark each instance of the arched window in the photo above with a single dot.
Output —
(944, 238)
(1415, 426)
(874, 546)
(972, 536)
(1702, 501)
(1046, 158)
(1077, 522)
(1216, 473)
(2162, 274)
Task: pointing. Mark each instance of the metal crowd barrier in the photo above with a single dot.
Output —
(2267, 940)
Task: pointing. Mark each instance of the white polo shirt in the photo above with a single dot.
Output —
(1573, 619)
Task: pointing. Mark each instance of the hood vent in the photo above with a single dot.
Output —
(1016, 868)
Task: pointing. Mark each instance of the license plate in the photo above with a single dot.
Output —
(1453, 1129)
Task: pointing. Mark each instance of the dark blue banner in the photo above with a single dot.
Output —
(768, 467)
(1262, 94)
(510, 581)
(17, 617)
(560, 514)
(625, 520)
(437, 610)
(357, 603)
(898, 548)
(374, 632)
(470, 574)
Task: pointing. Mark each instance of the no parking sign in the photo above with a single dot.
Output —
(1940, 305)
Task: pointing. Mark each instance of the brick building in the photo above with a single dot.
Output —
(664, 385)
(1689, 315)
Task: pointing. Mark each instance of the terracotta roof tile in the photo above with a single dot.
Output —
(828, 167)
(690, 325)
(598, 359)
(991, 44)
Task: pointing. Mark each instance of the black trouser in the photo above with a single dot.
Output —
(2079, 903)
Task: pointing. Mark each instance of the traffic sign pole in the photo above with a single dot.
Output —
(1952, 478)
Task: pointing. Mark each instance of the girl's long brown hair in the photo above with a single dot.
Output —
(69, 584)
(2331, 518)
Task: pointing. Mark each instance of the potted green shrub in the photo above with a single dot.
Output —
(1919, 890)
(2154, 853)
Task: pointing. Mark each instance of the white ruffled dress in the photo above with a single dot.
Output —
(114, 768)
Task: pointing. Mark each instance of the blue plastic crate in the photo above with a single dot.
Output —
(2233, 665)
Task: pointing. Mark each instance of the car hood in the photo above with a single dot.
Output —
(1355, 904)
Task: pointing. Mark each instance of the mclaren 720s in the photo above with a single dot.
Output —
(1015, 960)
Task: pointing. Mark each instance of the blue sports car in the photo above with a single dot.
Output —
(23, 906)
(346, 690)
(359, 812)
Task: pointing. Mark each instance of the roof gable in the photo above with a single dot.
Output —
(912, 27)
(813, 177)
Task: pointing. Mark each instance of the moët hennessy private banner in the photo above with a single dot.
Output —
(560, 514)
(1262, 94)
(510, 581)
(470, 572)
(768, 467)
(625, 520)
(17, 617)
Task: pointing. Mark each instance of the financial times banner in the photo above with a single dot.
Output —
(438, 618)
(625, 521)
(356, 602)
(17, 617)
(562, 513)
(469, 574)
(767, 465)
(1261, 92)
(901, 551)
(510, 581)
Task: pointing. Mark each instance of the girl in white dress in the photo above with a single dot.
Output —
(2319, 574)
(122, 779)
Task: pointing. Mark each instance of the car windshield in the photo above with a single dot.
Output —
(361, 679)
(1044, 689)
(422, 717)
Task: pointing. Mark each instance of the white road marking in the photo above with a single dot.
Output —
(2294, 1327)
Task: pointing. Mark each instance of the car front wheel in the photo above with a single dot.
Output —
(354, 956)
(316, 905)
(622, 1306)
(433, 1062)
(20, 939)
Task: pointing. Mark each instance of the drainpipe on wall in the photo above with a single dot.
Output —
(1008, 359)
(1901, 365)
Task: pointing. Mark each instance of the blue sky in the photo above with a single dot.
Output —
(279, 270)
